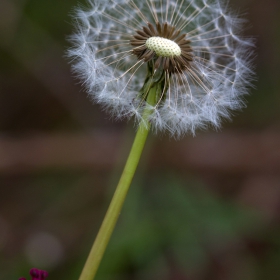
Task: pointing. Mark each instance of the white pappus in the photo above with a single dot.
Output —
(206, 65)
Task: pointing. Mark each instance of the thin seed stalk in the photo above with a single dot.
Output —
(103, 237)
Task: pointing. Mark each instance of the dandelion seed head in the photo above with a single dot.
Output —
(193, 48)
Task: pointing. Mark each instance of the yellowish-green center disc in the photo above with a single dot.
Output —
(163, 47)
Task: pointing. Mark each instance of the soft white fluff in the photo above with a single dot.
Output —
(113, 76)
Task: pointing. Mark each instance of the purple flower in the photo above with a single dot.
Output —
(36, 274)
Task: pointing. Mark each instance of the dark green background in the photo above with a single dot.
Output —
(199, 208)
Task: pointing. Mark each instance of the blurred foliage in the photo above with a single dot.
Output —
(170, 222)
(175, 224)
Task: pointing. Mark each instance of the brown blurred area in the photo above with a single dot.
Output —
(204, 207)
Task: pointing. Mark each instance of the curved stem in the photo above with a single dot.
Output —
(113, 212)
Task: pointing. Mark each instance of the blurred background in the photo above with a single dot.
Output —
(200, 208)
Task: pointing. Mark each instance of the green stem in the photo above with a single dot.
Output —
(111, 217)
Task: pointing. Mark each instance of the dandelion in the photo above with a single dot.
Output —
(173, 65)
(192, 48)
